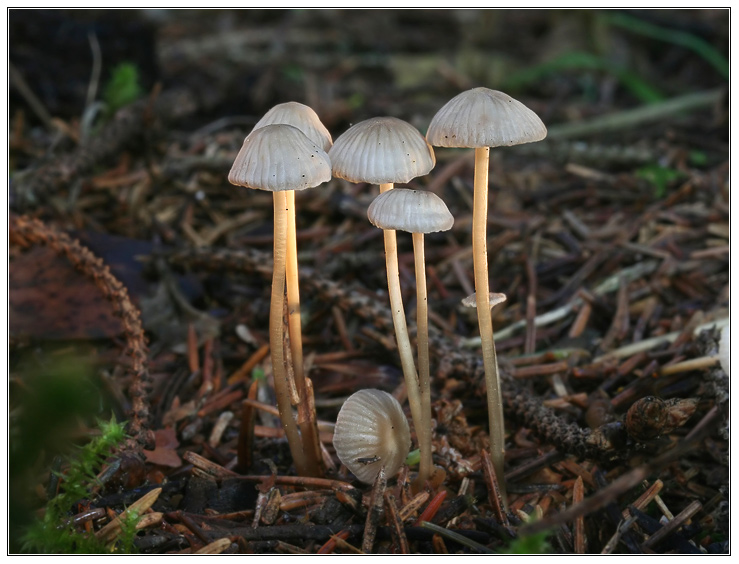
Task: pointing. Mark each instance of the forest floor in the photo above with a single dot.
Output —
(139, 282)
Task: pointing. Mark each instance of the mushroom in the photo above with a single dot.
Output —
(417, 213)
(494, 298)
(307, 121)
(280, 158)
(482, 118)
(372, 432)
(386, 150)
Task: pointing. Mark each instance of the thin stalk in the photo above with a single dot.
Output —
(306, 416)
(401, 329)
(424, 373)
(276, 331)
(484, 316)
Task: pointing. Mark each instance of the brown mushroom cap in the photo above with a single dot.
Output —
(372, 431)
(301, 116)
(381, 150)
(414, 211)
(279, 157)
(484, 118)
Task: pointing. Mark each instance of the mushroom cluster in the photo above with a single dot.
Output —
(289, 149)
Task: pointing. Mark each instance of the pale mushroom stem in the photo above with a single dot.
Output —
(424, 373)
(276, 332)
(484, 315)
(306, 417)
(401, 329)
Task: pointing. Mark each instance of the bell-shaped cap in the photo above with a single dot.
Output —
(301, 116)
(494, 298)
(371, 432)
(380, 151)
(279, 157)
(414, 211)
(484, 118)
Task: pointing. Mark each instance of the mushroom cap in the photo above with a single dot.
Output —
(372, 431)
(414, 211)
(494, 299)
(301, 116)
(279, 157)
(484, 118)
(381, 150)
(724, 349)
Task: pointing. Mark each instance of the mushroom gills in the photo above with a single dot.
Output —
(371, 432)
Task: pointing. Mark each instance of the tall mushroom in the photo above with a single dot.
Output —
(386, 150)
(280, 158)
(307, 121)
(482, 118)
(417, 213)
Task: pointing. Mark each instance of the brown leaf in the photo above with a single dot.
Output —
(49, 299)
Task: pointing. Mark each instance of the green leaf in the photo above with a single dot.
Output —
(580, 61)
(659, 177)
(684, 39)
(532, 544)
(122, 88)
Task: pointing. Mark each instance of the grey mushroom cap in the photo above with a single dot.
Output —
(301, 116)
(372, 431)
(484, 118)
(381, 150)
(414, 211)
(279, 157)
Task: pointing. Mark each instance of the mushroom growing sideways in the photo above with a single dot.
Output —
(386, 150)
(418, 213)
(482, 118)
(307, 121)
(371, 432)
(280, 158)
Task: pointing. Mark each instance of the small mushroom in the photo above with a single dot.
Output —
(495, 298)
(481, 118)
(307, 121)
(371, 432)
(386, 150)
(280, 158)
(418, 213)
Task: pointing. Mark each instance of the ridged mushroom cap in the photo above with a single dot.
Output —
(724, 349)
(372, 431)
(301, 116)
(279, 157)
(414, 211)
(484, 118)
(494, 298)
(381, 150)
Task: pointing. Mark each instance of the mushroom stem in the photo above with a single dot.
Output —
(293, 295)
(306, 417)
(484, 315)
(424, 373)
(276, 333)
(401, 329)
